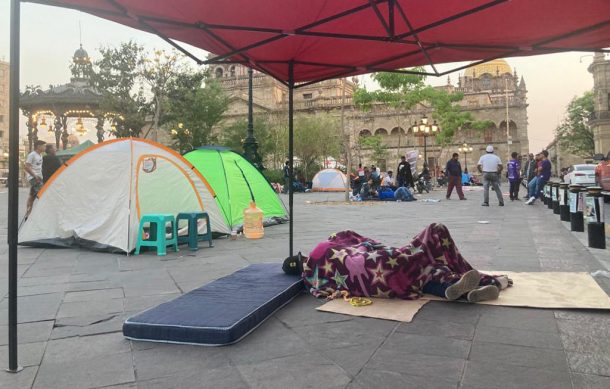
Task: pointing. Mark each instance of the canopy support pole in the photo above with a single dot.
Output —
(13, 186)
(291, 153)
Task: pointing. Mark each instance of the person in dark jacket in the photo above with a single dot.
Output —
(404, 175)
(454, 172)
(529, 169)
(50, 162)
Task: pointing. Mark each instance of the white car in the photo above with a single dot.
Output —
(583, 174)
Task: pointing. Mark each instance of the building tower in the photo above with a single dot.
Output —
(600, 120)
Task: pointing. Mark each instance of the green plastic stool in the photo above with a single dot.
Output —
(193, 236)
(156, 236)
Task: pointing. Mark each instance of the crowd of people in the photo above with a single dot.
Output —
(371, 183)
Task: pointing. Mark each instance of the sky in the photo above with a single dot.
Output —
(50, 35)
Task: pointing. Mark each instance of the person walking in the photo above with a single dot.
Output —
(491, 167)
(404, 175)
(33, 169)
(287, 182)
(537, 183)
(513, 173)
(454, 172)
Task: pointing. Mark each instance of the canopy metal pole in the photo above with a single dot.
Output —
(291, 151)
(13, 187)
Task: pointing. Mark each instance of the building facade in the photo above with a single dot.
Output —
(490, 90)
(600, 120)
(4, 110)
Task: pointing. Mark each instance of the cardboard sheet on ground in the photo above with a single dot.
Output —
(394, 309)
(550, 290)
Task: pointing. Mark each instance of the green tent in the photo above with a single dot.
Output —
(236, 182)
(66, 154)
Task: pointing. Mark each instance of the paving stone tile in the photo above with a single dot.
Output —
(587, 381)
(295, 372)
(408, 362)
(493, 375)
(433, 328)
(598, 364)
(94, 295)
(28, 332)
(22, 380)
(164, 360)
(88, 325)
(137, 303)
(520, 318)
(86, 308)
(224, 377)
(504, 354)
(454, 312)
(302, 312)
(518, 337)
(82, 348)
(28, 354)
(352, 358)
(380, 379)
(429, 345)
(100, 371)
(33, 308)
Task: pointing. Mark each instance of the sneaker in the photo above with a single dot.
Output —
(468, 281)
(484, 293)
(485, 205)
(501, 204)
(463, 198)
(530, 201)
(447, 197)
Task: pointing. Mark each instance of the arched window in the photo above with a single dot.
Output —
(232, 71)
(218, 72)
(396, 131)
(488, 133)
(381, 131)
(364, 133)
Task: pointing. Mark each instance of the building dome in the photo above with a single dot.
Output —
(494, 67)
(81, 56)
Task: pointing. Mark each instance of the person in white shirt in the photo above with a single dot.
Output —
(388, 180)
(33, 169)
(491, 167)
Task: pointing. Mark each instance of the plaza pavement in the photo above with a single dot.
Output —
(72, 304)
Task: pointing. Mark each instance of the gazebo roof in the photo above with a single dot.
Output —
(75, 94)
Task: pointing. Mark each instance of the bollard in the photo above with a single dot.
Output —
(576, 200)
(555, 189)
(594, 215)
(543, 195)
(549, 198)
(564, 206)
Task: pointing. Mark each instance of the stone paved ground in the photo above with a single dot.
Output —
(72, 304)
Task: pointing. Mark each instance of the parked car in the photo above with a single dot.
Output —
(582, 174)
(602, 171)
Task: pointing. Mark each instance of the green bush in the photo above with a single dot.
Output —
(274, 175)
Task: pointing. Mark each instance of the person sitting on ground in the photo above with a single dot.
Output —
(403, 194)
(366, 190)
(388, 181)
(361, 266)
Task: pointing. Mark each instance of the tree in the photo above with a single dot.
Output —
(405, 91)
(375, 144)
(574, 133)
(117, 76)
(315, 138)
(198, 103)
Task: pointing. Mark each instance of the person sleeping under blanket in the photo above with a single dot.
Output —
(364, 267)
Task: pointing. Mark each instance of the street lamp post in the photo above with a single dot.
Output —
(465, 149)
(250, 143)
(424, 129)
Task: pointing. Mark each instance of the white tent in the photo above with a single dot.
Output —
(97, 199)
(329, 180)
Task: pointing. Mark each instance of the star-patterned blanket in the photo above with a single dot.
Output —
(365, 267)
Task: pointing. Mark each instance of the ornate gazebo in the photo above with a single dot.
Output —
(53, 110)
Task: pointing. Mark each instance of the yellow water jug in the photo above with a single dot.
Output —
(253, 222)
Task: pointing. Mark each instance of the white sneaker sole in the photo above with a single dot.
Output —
(469, 281)
(488, 292)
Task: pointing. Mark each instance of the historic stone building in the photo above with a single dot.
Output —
(4, 106)
(600, 120)
(490, 90)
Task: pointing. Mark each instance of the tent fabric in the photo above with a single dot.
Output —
(329, 180)
(97, 198)
(327, 38)
(221, 312)
(75, 150)
(236, 182)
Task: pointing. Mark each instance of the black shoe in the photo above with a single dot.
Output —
(501, 204)
(485, 205)
(463, 198)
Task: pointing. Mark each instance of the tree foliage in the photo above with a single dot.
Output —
(405, 91)
(197, 104)
(315, 138)
(574, 133)
(375, 144)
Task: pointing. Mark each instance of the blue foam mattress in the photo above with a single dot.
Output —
(219, 313)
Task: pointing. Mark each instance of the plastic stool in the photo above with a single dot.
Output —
(194, 236)
(156, 236)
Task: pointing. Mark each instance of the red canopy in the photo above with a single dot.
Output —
(335, 38)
